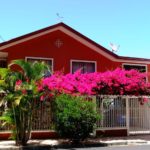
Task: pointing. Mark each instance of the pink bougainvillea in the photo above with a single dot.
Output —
(18, 82)
(119, 82)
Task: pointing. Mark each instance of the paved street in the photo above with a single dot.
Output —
(129, 147)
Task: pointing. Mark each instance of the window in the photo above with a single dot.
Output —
(48, 61)
(140, 68)
(84, 66)
(3, 64)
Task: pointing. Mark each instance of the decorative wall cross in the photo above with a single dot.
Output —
(58, 43)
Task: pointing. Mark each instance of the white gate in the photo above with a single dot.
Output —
(124, 112)
(113, 111)
(139, 116)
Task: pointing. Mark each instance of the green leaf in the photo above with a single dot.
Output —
(31, 70)
(17, 101)
(4, 72)
(6, 122)
(7, 118)
(2, 82)
(2, 100)
(25, 66)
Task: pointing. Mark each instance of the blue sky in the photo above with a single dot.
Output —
(122, 22)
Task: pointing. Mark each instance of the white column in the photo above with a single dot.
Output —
(94, 101)
(127, 115)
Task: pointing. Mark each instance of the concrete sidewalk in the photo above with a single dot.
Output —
(95, 142)
(127, 140)
(32, 145)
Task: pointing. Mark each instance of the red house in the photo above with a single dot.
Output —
(65, 49)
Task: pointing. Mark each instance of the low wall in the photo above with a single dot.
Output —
(34, 135)
(53, 134)
(116, 132)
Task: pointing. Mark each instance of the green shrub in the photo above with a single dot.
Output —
(75, 118)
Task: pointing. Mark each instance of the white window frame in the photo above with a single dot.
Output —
(84, 61)
(42, 58)
(130, 64)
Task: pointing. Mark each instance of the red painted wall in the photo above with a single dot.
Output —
(44, 46)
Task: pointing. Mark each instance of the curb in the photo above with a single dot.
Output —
(125, 143)
(29, 148)
(9, 145)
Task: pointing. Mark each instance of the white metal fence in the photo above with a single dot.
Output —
(42, 119)
(124, 112)
(113, 111)
(139, 116)
(118, 112)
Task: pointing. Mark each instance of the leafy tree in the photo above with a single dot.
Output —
(20, 95)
